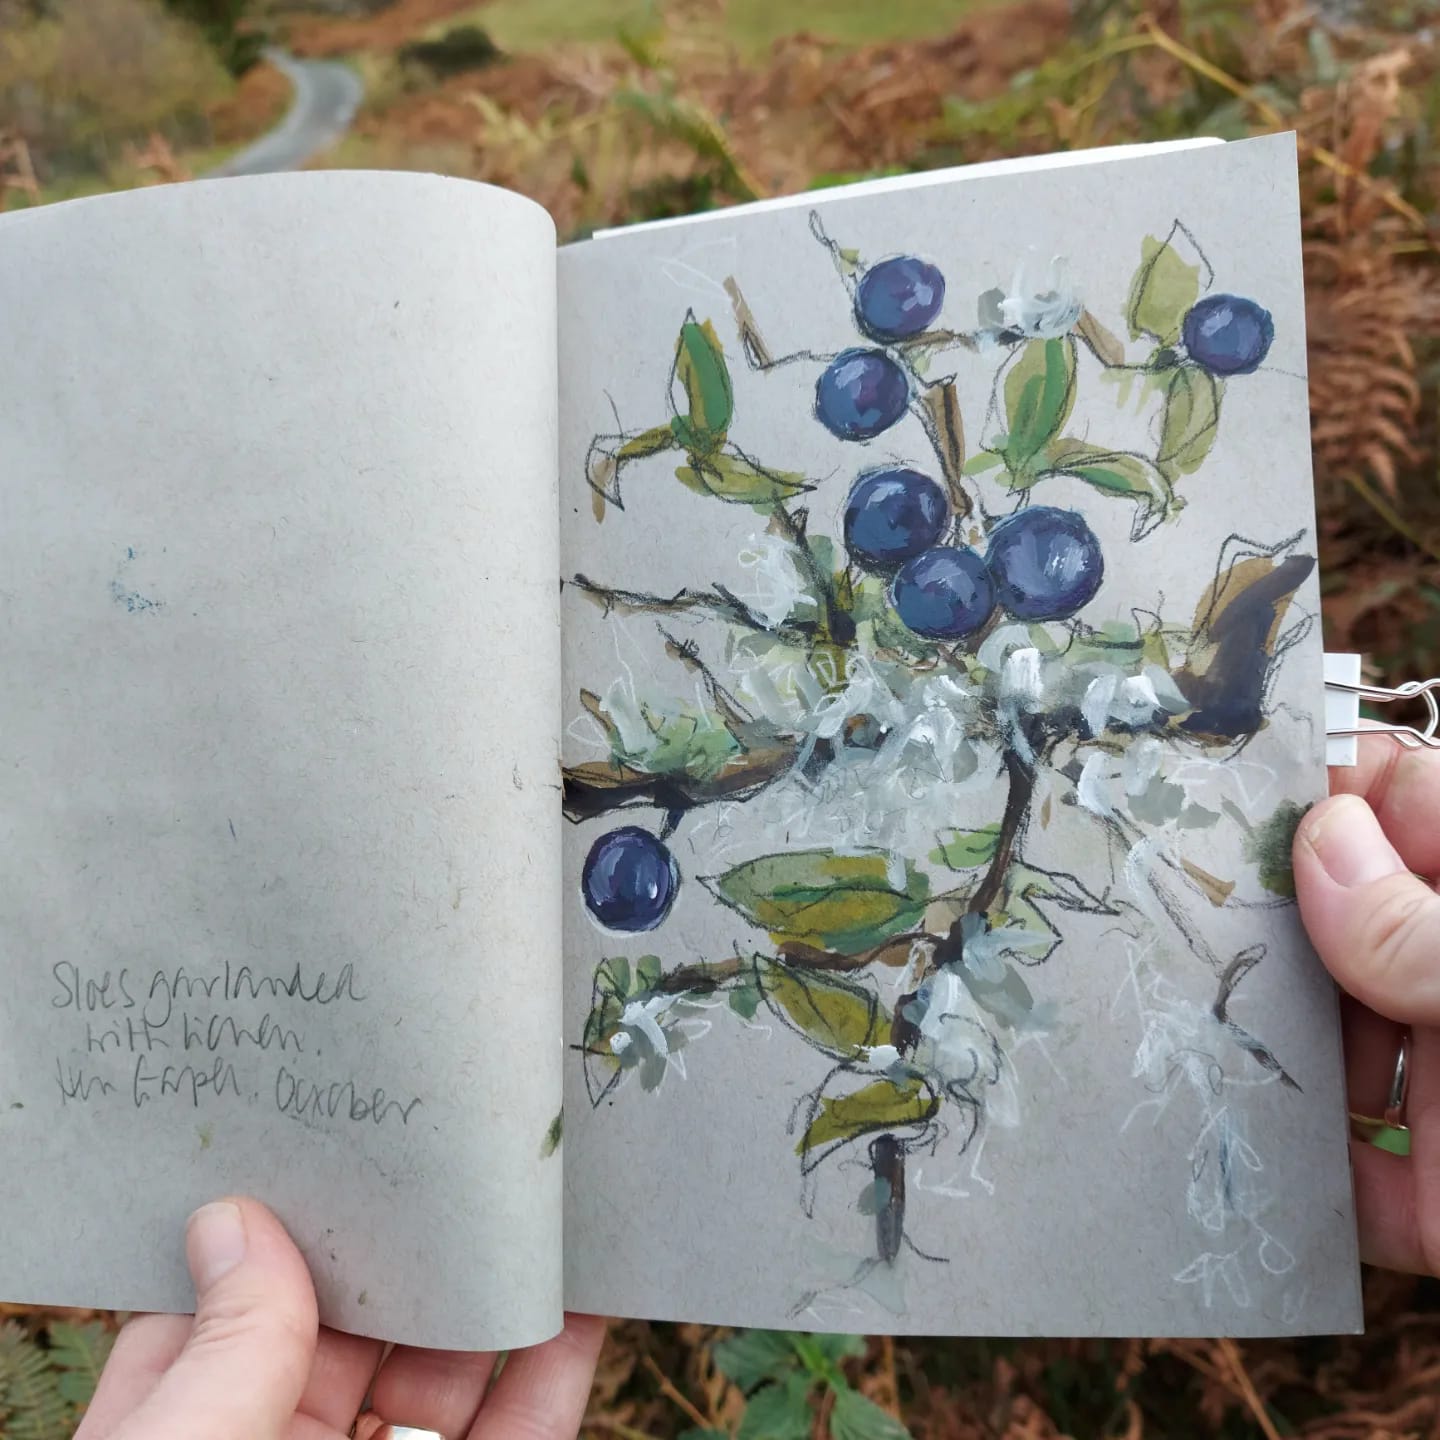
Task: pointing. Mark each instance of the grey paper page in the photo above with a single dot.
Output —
(281, 649)
(937, 717)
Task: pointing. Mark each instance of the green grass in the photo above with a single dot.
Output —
(751, 26)
(755, 24)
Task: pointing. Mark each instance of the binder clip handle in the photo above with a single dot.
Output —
(1347, 691)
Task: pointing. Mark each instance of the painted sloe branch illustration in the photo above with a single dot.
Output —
(951, 597)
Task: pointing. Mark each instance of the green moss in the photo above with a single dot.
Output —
(1268, 846)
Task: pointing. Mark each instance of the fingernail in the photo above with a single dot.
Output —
(1349, 843)
(215, 1243)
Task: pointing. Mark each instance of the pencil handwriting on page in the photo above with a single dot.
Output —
(208, 1038)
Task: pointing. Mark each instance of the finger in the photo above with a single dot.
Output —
(1372, 1045)
(244, 1366)
(1385, 1209)
(340, 1375)
(144, 1350)
(542, 1392)
(1422, 1115)
(1403, 788)
(1376, 926)
(432, 1389)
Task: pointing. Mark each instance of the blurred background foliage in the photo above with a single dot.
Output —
(612, 111)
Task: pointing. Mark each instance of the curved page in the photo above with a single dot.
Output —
(277, 558)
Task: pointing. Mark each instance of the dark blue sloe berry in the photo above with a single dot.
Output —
(1046, 563)
(629, 880)
(1227, 334)
(892, 515)
(945, 593)
(861, 393)
(899, 297)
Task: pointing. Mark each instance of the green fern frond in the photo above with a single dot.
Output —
(79, 1352)
(22, 1363)
(31, 1405)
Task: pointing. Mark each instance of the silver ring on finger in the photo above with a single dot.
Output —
(1399, 1086)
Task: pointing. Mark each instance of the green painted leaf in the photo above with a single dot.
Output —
(779, 1411)
(1007, 999)
(613, 976)
(1023, 927)
(856, 1417)
(1027, 929)
(750, 1357)
(648, 442)
(745, 1000)
(874, 1197)
(841, 1018)
(554, 1134)
(1191, 421)
(881, 1105)
(1164, 287)
(1112, 472)
(732, 477)
(703, 376)
(841, 903)
(1039, 395)
(692, 743)
(647, 973)
(967, 849)
(984, 460)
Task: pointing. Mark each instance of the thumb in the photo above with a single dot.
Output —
(1376, 926)
(245, 1364)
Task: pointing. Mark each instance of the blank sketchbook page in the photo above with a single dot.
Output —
(976, 1002)
(279, 635)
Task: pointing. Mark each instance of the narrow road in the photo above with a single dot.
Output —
(327, 95)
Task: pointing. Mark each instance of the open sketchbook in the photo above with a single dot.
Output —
(916, 584)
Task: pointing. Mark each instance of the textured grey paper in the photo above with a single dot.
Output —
(1136, 1170)
(280, 646)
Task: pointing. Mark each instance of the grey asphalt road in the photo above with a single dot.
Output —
(327, 95)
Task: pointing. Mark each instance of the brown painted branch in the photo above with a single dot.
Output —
(939, 410)
(706, 977)
(600, 786)
(719, 601)
(1017, 807)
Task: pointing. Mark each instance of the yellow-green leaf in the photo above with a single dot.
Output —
(647, 442)
(1162, 290)
(1120, 473)
(704, 379)
(736, 479)
(881, 1105)
(841, 903)
(1191, 421)
(840, 1018)
(1039, 395)
(967, 849)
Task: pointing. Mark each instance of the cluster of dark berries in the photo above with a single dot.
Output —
(1041, 563)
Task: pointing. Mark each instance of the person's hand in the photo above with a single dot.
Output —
(1365, 865)
(253, 1364)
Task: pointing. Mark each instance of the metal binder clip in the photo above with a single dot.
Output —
(1410, 736)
